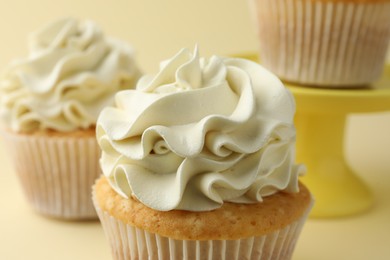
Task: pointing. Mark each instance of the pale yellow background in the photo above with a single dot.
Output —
(158, 29)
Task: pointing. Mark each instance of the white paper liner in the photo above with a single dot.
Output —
(128, 243)
(56, 173)
(323, 43)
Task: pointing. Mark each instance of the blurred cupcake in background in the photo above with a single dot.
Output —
(326, 43)
(199, 163)
(49, 104)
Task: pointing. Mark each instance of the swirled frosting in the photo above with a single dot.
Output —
(199, 133)
(71, 73)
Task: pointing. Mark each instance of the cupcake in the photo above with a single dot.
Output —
(198, 163)
(325, 43)
(49, 104)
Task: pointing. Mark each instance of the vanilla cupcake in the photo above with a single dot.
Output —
(198, 163)
(49, 104)
(326, 43)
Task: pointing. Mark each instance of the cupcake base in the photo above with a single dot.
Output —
(130, 242)
(56, 171)
(323, 43)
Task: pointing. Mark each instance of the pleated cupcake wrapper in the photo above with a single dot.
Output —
(56, 173)
(323, 43)
(128, 243)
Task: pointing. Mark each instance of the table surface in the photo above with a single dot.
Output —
(27, 235)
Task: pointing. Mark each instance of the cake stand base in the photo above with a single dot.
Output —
(320, 122)
(335, 187)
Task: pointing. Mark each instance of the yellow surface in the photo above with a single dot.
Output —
(374, 98)
(336, 188)
(320, 122)
(157, 30)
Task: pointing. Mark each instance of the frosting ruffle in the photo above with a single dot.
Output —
(201, 132)
(71, 73)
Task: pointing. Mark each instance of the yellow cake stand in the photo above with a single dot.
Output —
(320, 122)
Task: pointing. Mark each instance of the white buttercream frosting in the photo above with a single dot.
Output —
(71, 73)
(201, 132)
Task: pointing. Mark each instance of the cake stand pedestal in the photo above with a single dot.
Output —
(320, 122)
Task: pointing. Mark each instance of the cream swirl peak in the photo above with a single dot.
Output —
(201, 132)
(71, 73)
